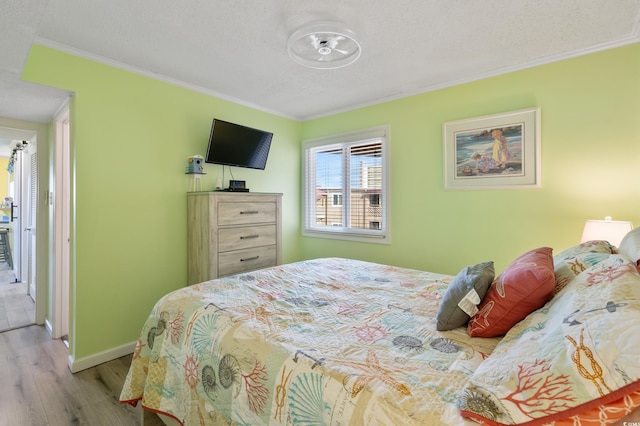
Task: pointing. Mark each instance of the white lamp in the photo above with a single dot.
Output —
(607, 229)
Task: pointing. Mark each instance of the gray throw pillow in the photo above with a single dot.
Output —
(464, 294)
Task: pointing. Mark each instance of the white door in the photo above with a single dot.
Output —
(29, 234)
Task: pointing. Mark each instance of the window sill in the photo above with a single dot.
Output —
(348, 236)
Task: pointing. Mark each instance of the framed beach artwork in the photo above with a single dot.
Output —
(500, 151)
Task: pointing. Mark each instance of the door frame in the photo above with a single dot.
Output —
(19, 207)
(59, 203)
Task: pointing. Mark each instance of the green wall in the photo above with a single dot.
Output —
(131, 136)
(590, 110)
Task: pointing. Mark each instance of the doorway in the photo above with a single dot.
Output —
(18, 293)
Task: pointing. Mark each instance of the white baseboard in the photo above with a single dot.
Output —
(48, 326)
(100, 357)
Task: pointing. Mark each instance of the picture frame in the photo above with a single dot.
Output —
(500, 151)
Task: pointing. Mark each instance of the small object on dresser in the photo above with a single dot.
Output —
(237, 186)
(195, 165)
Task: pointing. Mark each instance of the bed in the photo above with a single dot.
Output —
(548, 340)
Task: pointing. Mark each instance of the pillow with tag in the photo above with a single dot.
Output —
(464, 294)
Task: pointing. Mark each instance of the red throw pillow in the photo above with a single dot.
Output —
(524, 286)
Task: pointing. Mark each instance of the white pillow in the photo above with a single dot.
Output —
(630, 245)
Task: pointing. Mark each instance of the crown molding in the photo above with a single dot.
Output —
(156, 76)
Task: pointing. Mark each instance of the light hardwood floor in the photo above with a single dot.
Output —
(17, 308)
(37, 388)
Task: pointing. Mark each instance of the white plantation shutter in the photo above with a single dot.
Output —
(346, 181)
(31, 223)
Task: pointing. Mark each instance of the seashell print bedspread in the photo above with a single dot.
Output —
(576, 358)
(326, 341)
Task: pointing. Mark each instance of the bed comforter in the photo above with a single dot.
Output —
(327, 342)
(345, 342)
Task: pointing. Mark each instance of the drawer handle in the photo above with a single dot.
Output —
(248, 237)
(250, 212)
(246, 259)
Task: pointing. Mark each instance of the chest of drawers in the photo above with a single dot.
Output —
(229, 233)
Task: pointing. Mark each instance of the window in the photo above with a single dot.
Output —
(346, 181)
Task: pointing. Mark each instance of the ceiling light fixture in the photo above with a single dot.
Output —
(324, 45)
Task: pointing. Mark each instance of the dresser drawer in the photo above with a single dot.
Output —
(246, 213)
(244, 237)
(234, 262)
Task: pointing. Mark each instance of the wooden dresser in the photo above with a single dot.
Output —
(232, 232)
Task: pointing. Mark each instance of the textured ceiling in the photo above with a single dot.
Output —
(237, 49)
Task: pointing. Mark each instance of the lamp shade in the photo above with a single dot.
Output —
(609, 230)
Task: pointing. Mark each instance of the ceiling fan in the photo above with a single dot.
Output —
(324, 45)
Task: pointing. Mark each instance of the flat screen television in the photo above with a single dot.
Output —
(235, 145)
